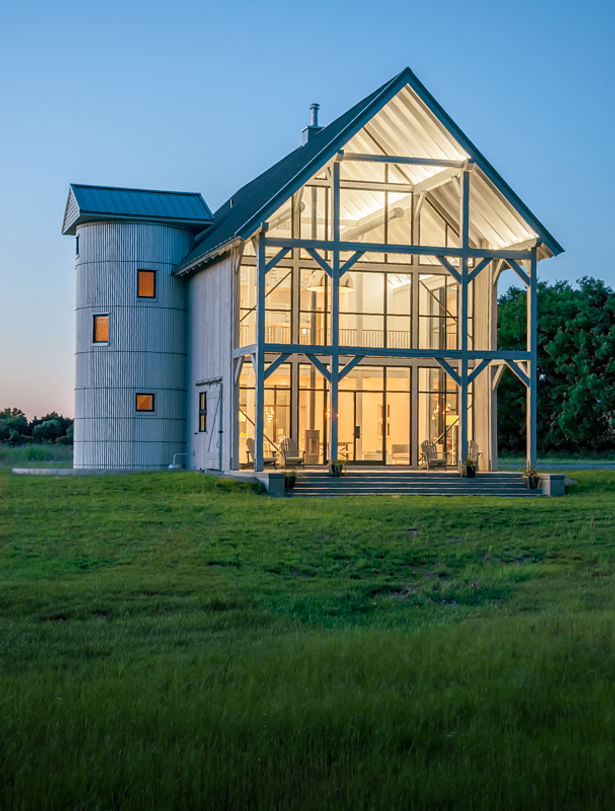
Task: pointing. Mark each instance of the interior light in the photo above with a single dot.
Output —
(317, 282)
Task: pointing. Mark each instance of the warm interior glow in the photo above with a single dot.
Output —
(145, 402)
(101, 329)
(146, 283)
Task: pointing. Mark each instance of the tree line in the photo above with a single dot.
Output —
(576, 368)
(576, 375)
(15, 428)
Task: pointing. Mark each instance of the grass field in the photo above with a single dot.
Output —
(174, 641)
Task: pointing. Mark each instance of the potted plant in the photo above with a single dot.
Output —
(290, 479)
(468, 469)
(336, 467)
(531, 477)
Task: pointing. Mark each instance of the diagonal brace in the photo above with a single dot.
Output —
(519, 271)
(324, 265)
(320, 366)
(449, 370)
(350, 366)
(277, 258)
(275, 363)
(453, 271)
(518, 371)
(350, 262)
(478, 369)
(481, 266)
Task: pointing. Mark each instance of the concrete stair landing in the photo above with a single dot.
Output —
(410, 483)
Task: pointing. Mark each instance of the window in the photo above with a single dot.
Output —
(145, 402)
(146, 284)
(100, 329)
(77, 246)
(202, 411)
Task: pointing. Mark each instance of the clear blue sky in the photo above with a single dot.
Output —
(199, 96)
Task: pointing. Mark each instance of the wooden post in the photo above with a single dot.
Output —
(532, 348)
(335, 316)
(259, 409)
(463, 371)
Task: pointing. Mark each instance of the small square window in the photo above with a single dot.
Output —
(146, 283)
(100, 329)
(203, 411)
(145, 402)
(77, 245)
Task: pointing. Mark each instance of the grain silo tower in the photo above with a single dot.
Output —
(130, 333)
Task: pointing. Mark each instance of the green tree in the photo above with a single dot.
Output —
(576, 368)
(13, 423)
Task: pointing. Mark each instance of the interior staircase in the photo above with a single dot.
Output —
(410, 483)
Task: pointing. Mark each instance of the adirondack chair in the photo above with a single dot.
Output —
(290, 453)
(430, 455)
(473, 452)
(267, 460)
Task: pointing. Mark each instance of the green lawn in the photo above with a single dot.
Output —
(174, 641)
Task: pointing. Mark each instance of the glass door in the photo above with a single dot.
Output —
(360, 427)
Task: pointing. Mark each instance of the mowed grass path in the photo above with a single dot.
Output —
(173, 641)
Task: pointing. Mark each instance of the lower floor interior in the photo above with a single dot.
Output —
(387, 411)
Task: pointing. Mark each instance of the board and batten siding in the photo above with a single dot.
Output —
(210, 323)
(145, 353)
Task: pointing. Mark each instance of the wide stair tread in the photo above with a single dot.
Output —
(412, 483)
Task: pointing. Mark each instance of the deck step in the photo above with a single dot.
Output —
(412, 483)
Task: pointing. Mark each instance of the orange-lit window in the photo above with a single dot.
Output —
(202, 411)
(145, 402)
(146, 283)
(100, 331)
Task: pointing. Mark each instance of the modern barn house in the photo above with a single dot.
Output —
(345, 299)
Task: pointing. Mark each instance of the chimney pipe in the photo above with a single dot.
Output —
(307, 133)
(314, 108)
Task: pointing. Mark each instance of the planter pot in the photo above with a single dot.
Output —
(335, 470)
(468, 471)
(289, 481)
(532, 482)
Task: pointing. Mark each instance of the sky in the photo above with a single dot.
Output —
(197, 96)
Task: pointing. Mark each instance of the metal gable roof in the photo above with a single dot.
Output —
(241, 215)
(96, 203)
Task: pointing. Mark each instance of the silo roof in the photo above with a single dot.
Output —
(103, 203)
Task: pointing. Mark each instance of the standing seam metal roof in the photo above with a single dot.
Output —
(92, 203)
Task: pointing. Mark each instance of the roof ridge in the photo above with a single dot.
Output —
(132, 189)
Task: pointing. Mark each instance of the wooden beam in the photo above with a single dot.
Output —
(360, 156)
(386, 352)
(433, 182)
(383, 247)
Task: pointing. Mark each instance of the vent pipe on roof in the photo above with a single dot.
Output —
(310, 131)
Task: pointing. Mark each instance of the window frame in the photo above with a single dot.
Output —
(154, 273)
(202, 412)
(95, 317)
(151, 410)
